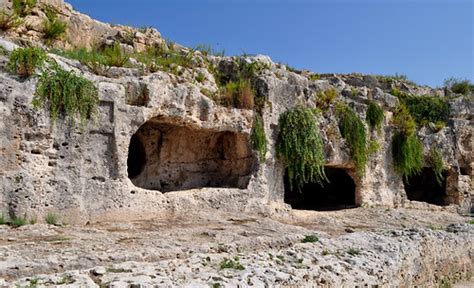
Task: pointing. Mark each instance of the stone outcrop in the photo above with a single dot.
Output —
(175, 137)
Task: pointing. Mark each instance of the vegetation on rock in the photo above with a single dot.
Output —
(325, 98)
(53, 28)
(258, 138)
(23, 7)
(459, 86)
(375, 116)
(407, 149)
(301, 147)
(425, 109)
(65, 92)
(9, 20)
(435, 160)
(353, 131)
(25, 61)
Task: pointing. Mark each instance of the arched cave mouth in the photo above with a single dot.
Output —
(423, 187)
(168, 156)
(339, 193)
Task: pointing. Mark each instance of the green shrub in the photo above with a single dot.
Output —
(310, 239)
(24, 61)
(314, 77)
(65, 92)
(23, 7)
(51, 219)
(427, 109)
(375, 116)
(326, 98)
(9, 20)
(18, 221)
(164, 58)
(258, 138)
(459, 86)
(435, 160)
(353, 131)
(407, 153)
(302, 153)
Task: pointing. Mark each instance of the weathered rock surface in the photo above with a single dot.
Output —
(388, 248)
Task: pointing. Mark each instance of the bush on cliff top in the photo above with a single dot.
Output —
(301, 147)
(65, 92)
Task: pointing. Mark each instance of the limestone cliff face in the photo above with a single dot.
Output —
(177, 149)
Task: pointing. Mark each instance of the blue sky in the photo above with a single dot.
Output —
(427, 40)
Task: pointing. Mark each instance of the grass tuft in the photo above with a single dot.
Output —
(310, 239)
(25, 61)
(231, 264)
(435, 159)
(64, 92)
(51, 219)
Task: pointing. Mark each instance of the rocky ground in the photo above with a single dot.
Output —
(363, 246)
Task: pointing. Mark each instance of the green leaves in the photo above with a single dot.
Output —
(407, 153)
(257, 137)
(301, 147)
(65, 92)
(375, 116)
(353, 131)
(24, 61)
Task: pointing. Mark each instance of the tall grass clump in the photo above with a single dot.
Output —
(23, 7)
(258, 138)
(9, 20)
(301, 147)
(25, 61)
(353, 131)
(51, 219)
(375, 116)
(407, 149)
(53, 28)
(435, 159)
(64, 92)
(237, 94)
(459, 86)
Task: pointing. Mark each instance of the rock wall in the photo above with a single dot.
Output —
(83, 173)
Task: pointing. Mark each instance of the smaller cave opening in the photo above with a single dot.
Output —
(424, 187)
(136, 157)
(336, 194)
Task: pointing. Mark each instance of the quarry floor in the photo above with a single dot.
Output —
(370, 246)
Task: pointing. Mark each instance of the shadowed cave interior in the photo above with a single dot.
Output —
(338, 193)
(168, 156)
(423, 187)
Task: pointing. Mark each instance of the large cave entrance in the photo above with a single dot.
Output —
(169, 156)
(423, 187)
(338, 193)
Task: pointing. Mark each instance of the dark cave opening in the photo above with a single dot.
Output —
(339, 193)
(423, 187)
(136, 157)
(170, 156)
